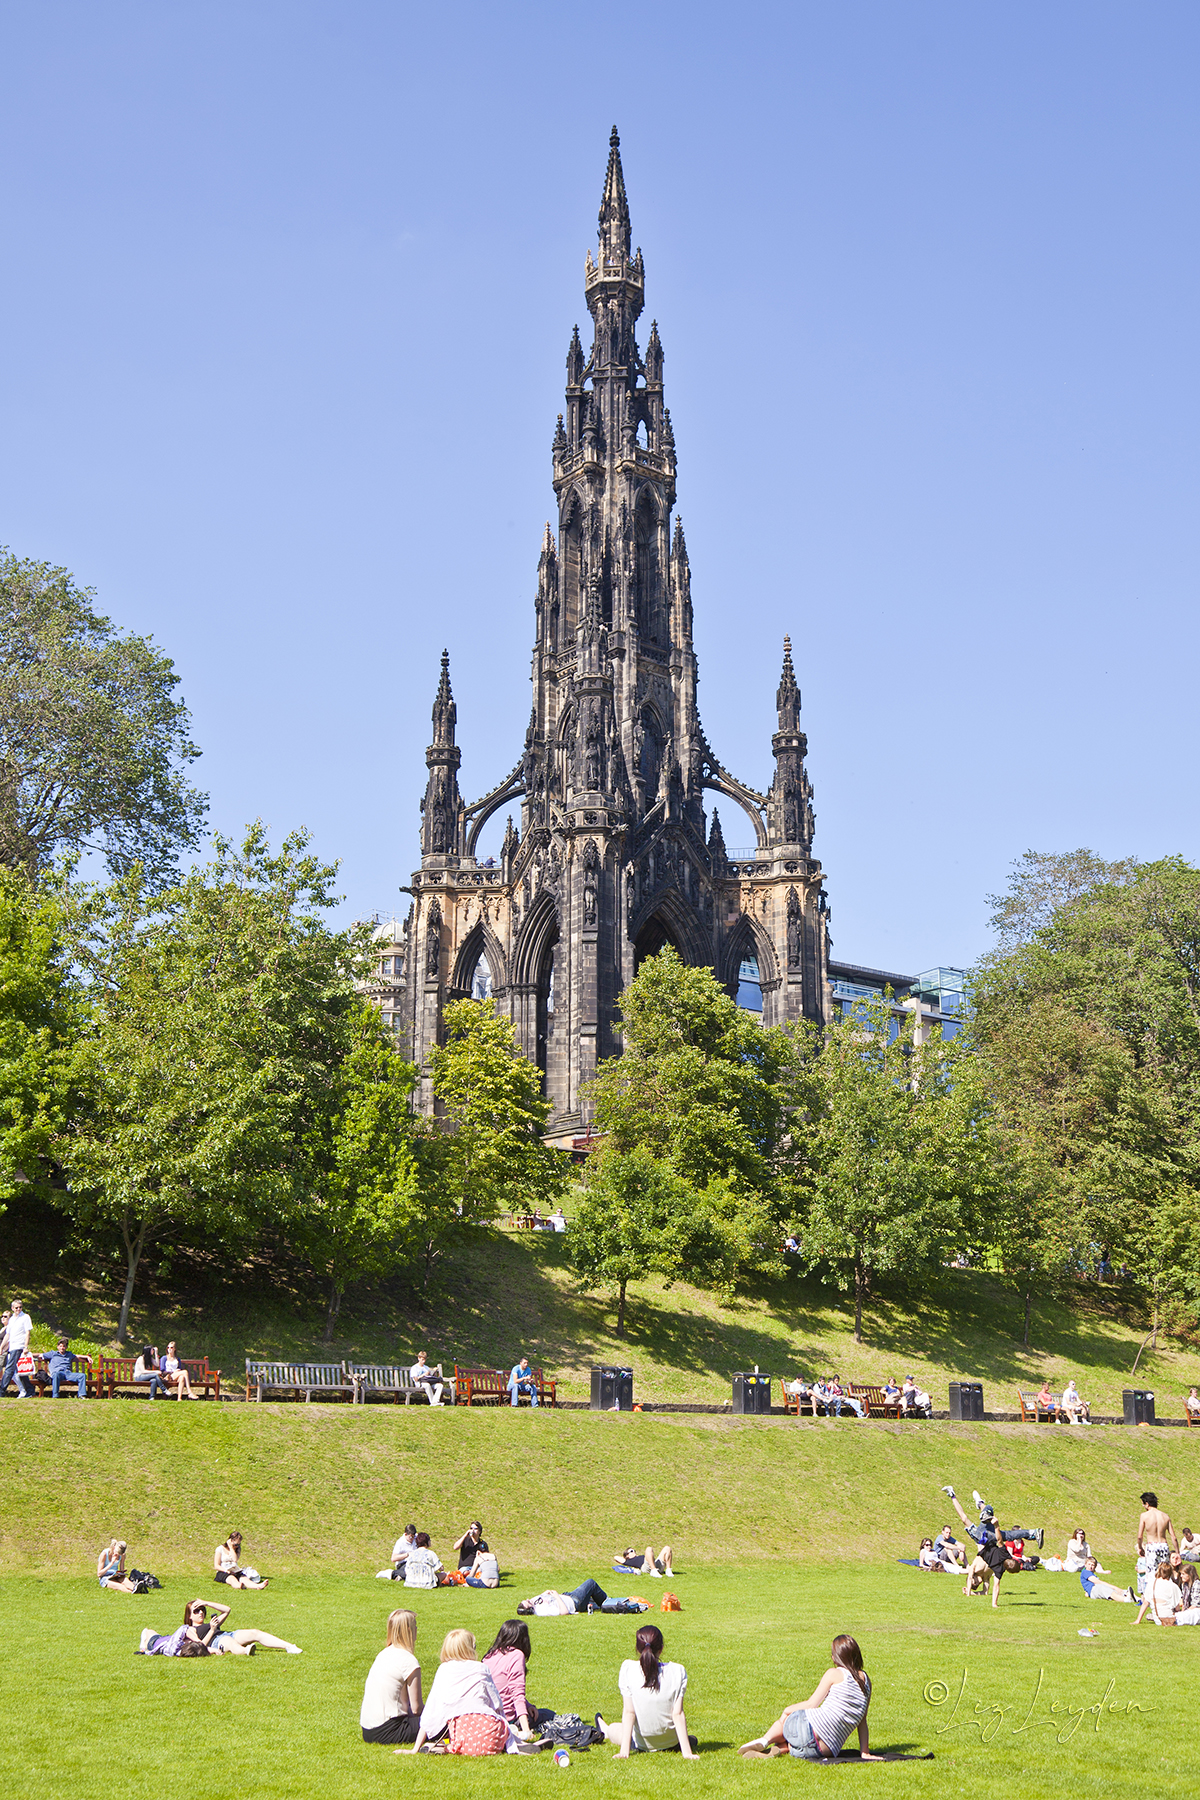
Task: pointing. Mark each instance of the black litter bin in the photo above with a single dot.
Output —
(966, 1399)
(612, 1390)
(751, 1393)
(1139, 1406)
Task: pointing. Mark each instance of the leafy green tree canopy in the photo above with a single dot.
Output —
(40, 1008)
(492, 1157)
(93, 739)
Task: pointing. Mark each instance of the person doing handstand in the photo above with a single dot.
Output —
(987, 1527)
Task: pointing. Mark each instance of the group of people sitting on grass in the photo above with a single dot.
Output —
(827, 1395)
(228, 1568)
(480, 1705)
(417, 1564)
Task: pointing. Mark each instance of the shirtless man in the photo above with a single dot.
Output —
(1154, 1528)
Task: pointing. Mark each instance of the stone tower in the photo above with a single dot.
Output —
(613, 857)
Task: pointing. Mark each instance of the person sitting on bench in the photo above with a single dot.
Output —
(429, 1380)
(58, 1368)
(521, 1381)
(174, 1373)
(145, 1372)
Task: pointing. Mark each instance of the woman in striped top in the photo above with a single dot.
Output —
(816, 1728)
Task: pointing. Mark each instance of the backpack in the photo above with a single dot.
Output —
(569, 1729)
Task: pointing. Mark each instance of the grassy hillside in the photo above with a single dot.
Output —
(505, 1293)
(311, 1486)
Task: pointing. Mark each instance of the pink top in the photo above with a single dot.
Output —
(507, 1670)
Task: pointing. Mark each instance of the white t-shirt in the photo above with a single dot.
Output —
(552, 1605)
(423, 1372)
(402, 1547)
(652, 1708)
(19, 1328)
(1164, 1597)
(421, 1568)
(383, 1696)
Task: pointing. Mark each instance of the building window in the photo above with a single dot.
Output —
(749, 994)
(481, 981)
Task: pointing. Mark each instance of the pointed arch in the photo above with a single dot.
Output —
(538, 935)
(669, 914)
(570, 564)
(748, 942)
(479, 941)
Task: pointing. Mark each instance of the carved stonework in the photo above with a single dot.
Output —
(613, 856)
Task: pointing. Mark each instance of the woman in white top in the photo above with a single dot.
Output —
(464, 1698)
(227, 1565)
(422, 1565)
(1078, 1553)
(1163, 1597)
(391, 1705)
(652, 1717)
(817, 1728)
(175, 1375)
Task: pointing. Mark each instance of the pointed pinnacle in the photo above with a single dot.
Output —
(614, 207)
(787, 658)
(444, 683)
(547, 540)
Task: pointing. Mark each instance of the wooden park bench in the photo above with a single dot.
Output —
(1191, 1417)
(326, 1380)
(873, 1399)
(41, 1377)
(393, 1383)
(114, 1375)
(489, 1387)
(1032, 1412)
(792, 1403)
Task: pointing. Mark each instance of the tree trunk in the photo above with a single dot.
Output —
(1137, 1359)
(135, 1243)
(860, 1288)
(621, 1312)
(335, 1307)
(1028, 1311)
(1154, 1345)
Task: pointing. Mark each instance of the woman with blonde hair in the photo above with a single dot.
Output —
(464, 1699)
(816, 1728)
(391, 1703)
(110, 1568)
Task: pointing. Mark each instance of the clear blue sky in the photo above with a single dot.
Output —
(288, 292)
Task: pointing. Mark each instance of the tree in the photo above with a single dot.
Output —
(366, 1214)
(492, 1156)
(93, 740)
(40, 1009)
(893, 1151)
(701, 1083)
(636, 1219)
(220, 1014)
(1040, 883)
(1089, 1030)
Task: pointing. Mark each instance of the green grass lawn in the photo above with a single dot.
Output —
(785, 1534)
(503, 1293)
(1042, 1710)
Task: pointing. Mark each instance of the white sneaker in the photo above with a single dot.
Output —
(384, 1575)
(948, 1490)
(294, 1650)
(976, 1496)
(655, 1574)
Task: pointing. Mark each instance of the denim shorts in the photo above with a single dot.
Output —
(798, 1734)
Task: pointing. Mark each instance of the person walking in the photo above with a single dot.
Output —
(16, 1344)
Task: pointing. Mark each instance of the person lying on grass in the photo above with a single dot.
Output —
(632, 1562)
(463, 1699)
(228, 1565)
(550, 1604)
(200, 1629)
(1095, 1589)
(652, 1716)
(506, 1663)
(391, 1702)
(816, 1728)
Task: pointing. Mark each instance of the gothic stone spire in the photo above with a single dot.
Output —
(614, 207)
(442, 828)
